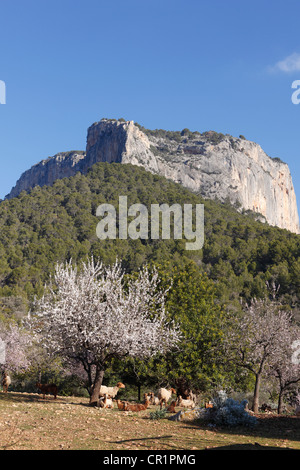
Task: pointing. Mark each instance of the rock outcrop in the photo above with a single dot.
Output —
(62, 165)
(214, 165)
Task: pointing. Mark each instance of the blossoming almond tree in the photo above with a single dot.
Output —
(91, 315)
(257, 339)
(17, 344)
(283, 368)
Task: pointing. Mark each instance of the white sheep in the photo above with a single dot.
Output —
(110, 391)
(6, 381)
(106, 402)
(193, 397)
(186, 403)
(153, 399)
(164, 395)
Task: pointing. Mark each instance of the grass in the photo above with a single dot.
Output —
(27, 422)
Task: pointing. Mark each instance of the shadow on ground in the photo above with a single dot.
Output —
(247, 447)
(268, 426)
(33, 397)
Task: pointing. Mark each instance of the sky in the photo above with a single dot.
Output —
(219, 65)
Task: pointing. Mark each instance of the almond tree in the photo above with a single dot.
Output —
(283, 368)
(16, 346)
(256, 339)
(93, 314)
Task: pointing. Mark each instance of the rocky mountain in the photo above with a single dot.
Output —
(62, 165)
(214, 165)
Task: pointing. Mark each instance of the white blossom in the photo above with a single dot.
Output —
(94, 313)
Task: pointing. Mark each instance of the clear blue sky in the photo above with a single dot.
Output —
(202, 64)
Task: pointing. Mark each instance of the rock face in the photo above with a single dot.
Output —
(213, 165)
(62, 165)
(119, 142)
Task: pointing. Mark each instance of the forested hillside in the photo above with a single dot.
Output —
(57, 223)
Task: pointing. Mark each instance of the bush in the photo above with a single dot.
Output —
(227, 412)
(214, 137)
(158, 414)
(231, 413)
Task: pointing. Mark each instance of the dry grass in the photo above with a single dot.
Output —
(27, 422)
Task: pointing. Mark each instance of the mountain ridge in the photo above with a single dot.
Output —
(211, 164)
(58, 223)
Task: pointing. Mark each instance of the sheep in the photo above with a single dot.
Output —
(106, 402)
(110, 391)
(137, 406)
(185, 392)
(208, 405)
(171, 407)
(47, 388)
(187, 403)
(153, 399)
(6, 381)
(266, 408)
(164, 395)
(192, 396)
(121, 405)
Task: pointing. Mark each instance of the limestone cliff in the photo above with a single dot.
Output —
(62, 165)
(214, 165)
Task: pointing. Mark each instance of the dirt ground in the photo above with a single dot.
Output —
(27, 422)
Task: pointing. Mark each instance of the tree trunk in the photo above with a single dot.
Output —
(255, 405)
(280, 402)
(94, 399)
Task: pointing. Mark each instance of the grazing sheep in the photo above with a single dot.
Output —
(164, 395)
(6, 381)
(110, 391)
(185, 403)
(47, 388)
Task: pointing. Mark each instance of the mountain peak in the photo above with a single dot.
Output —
(212, 164)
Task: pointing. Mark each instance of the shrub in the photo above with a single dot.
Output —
(158, 414)
(227, 412)
(214, 137)
(231, 413)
